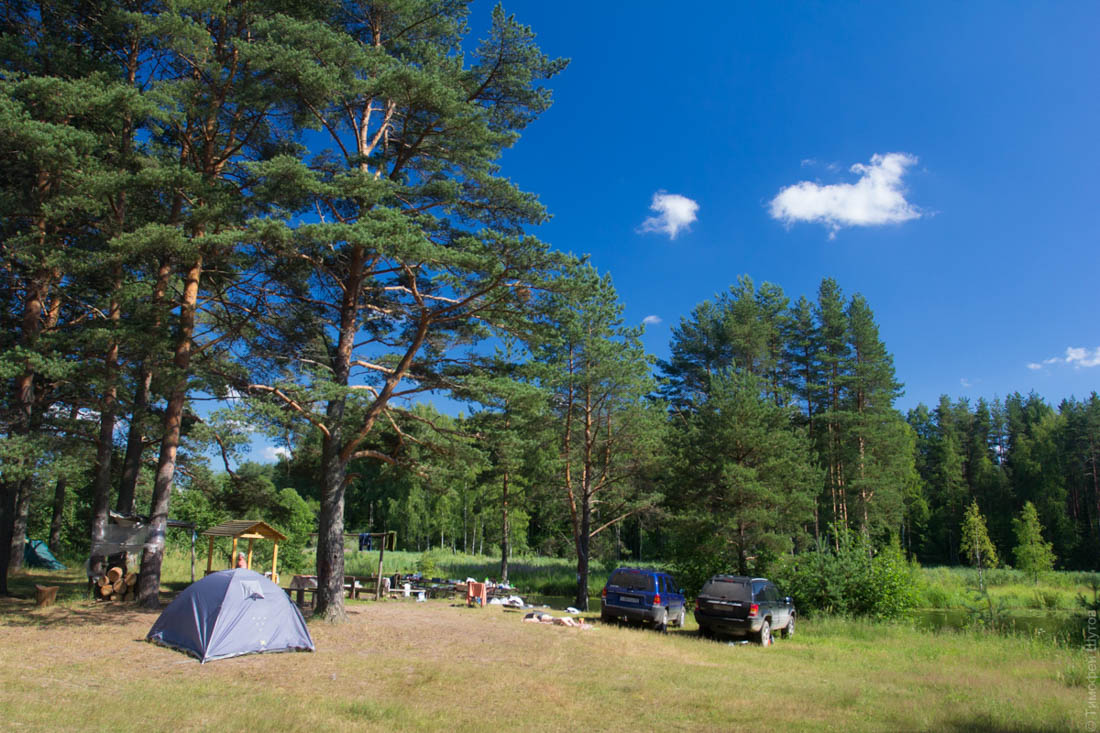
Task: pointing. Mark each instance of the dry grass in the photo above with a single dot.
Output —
(400, 665)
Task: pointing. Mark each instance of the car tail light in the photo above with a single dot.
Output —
(753, 609)
(603, 593)
(656, 599)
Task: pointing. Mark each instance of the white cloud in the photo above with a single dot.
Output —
(273, 453)
(651, 320)
(1082, 357)
(674, 213)
(965, 383)
(877, 198)
(1077, 356)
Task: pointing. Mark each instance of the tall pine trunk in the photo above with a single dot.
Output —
(330, 523)
(505, 533)
(101, 491)
(330, 520)
(135, 438)
(14, 492)
(152, 556)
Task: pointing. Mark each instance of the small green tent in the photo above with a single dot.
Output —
(37, 555)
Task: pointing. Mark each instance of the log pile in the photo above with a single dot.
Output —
(115, 587)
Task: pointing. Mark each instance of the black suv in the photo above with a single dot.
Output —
(648, 596)
(741, 606)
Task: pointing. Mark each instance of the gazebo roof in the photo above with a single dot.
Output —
(249, 529)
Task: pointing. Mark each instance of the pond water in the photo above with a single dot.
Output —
(1063, 625)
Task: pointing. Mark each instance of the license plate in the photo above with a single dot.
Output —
(627, 599)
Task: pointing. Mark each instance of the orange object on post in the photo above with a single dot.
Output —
(476, 592)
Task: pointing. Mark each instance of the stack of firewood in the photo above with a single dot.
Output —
(115, 587)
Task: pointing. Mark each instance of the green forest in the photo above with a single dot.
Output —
(289, 218)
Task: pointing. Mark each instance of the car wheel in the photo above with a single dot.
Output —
(680, 619)
(788, 630)
(705, 632)
(604, 618)
(661, 624)
(765, 634)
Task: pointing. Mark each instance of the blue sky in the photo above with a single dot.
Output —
(976, 245)
(971, 225)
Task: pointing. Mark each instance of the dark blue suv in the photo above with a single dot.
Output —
(647, 596)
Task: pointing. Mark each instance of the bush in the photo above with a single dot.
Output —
(854, 580)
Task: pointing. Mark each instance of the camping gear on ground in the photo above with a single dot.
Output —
(476, 593)
(37, 555)
(230, 613)
(537, 617)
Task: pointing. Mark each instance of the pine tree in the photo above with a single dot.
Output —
(742, 481)
(883, 444)
(833, 357)
(975, 543)
(1033, 554)
(599, 375)
(417, 248)
(513, 428)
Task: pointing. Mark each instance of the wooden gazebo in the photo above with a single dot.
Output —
(245, 529)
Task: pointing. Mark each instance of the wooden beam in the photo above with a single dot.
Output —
(233, 557)
(275, 564)
(250, 541)
(210, 558)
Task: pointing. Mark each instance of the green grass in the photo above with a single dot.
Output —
(399, 666)
(956, 588)
(538, 575)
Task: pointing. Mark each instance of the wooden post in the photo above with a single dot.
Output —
(45, 595)
(275, 563)
(210, 557)
(233, 557)
(381, 553)
(249, 554)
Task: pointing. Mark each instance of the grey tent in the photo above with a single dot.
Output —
(230, 613)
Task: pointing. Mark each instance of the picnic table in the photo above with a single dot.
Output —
(302, 584)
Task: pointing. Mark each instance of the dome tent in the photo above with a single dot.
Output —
(230, 613)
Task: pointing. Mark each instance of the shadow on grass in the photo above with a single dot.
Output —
(982, 724)
(22, 613)
(75, 605)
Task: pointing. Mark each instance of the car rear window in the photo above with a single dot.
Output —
(730, 590)
(632, 581)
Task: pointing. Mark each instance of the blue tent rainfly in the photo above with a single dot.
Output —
(230, 613)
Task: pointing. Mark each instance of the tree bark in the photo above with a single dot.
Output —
(135, 439)
(105, 448)
(54, 543)
(330, 524)
(19, 522)
(334, 458)
(505, 537)
(16, 494)
(152, 556)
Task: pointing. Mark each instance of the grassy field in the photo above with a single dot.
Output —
(949, 588)
(953, 587)
(399, 665)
